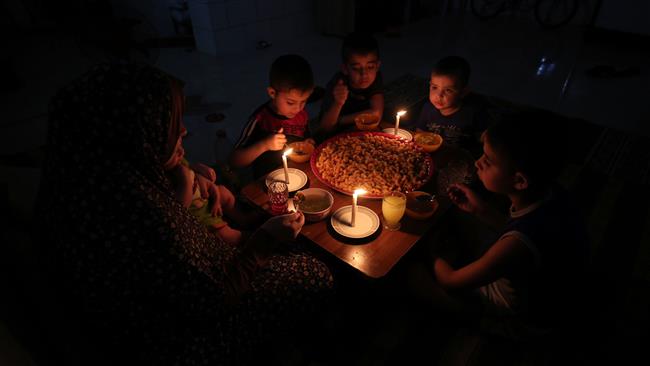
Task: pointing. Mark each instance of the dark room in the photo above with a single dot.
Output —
(325, 182)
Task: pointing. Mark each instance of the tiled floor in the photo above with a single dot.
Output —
(505, 55)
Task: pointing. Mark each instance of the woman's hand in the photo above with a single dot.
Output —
(275, 141)
(215, 200)
(466, 199)
(285, 227)
(205, 171)
(176, 158)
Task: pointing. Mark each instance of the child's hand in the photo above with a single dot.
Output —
(205, 171)
(210, 192)
(215, 200)
(466, 199)
(276, 141)
(285, 227)
(340, 92)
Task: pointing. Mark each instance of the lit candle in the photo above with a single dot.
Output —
(284, 162)
(397, 116)
(357, 193)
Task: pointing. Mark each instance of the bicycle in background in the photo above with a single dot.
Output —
(549, 14)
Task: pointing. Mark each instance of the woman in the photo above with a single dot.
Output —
(135, 265)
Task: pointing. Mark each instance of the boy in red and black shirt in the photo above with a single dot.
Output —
(279, 121)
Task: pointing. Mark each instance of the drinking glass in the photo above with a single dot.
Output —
(278, 197)
(393, 206)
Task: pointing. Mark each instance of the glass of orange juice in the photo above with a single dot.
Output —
(393, 206)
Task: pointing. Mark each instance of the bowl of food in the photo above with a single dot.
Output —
(301, 151)
(420, 205)
(366, 121)
(315, 203)
(428, 141)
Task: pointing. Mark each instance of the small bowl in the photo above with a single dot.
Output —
(428, 141)
(301, 151)
(366, 121)
(420, 209)
(315, 193)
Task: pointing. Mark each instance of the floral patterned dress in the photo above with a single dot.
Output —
(134, 264)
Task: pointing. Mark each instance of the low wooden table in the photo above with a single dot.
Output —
(376, 255)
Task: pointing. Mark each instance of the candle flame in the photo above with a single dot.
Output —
(401, 113)
(359, 192)
(287, 152)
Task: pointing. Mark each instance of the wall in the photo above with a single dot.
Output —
(233, 26)
(155, 12)
(631, 16)
(17, 14)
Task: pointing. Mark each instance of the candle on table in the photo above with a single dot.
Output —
(284, 162)
(357, 193)
(397, 116)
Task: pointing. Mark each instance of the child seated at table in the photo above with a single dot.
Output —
(358, 88)
(279, 121)
(526, 280)
(188, 187)
(452, 111)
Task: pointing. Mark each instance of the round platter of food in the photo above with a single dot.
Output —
(374, 161)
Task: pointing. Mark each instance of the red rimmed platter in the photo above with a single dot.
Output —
(425, 169)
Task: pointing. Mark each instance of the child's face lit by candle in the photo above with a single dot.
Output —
(288, 103)
(445, 93)
(361, 70)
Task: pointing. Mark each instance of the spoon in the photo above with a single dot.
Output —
(425, 198)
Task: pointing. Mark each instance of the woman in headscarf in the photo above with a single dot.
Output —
(132, 262)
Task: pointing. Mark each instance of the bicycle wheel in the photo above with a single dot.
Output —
(555, 13)
(486, 9)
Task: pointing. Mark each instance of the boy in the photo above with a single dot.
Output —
(279, 121)
(357, 88)
(528, 278)
(458, 116)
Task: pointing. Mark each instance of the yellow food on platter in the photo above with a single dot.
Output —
(376, 163)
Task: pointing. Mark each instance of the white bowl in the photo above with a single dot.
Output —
(401, 133)
(313, 216)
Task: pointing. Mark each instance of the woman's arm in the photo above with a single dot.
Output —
(258, 249)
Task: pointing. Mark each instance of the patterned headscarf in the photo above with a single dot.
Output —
(138, 267)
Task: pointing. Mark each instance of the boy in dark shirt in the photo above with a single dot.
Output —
(452, 111)
(279, 121)
(527, 279)
(357, 88)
